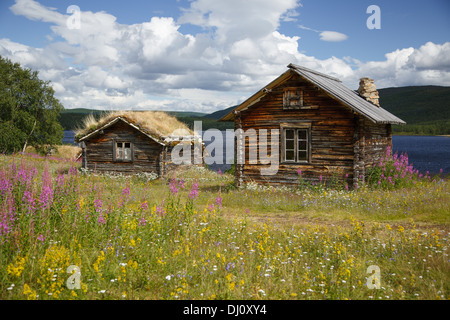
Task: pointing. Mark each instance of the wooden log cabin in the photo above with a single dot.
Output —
(326, 130)
(135, 142)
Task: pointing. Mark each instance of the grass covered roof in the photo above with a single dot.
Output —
(158, 124)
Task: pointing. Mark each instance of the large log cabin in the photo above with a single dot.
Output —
(326, 130)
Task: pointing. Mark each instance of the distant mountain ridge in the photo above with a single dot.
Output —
(219, 114)
(417, 104)
(426, 110)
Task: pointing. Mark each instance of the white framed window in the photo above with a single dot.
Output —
(296, 144)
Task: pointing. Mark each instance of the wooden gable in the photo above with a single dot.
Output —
(101, 150)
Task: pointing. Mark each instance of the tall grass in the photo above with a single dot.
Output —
(193, 236)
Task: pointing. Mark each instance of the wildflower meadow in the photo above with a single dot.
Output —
(70, 234)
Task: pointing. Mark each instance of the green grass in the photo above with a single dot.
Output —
(138, 238)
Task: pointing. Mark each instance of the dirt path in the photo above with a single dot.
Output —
(293, 219)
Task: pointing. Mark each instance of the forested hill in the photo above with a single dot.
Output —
(426, 110)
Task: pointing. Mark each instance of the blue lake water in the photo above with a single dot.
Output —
(426, 153)
(69, 137)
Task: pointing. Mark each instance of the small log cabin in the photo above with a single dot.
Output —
(326, 130)
(134, 142)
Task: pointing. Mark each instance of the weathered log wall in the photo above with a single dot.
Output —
(377, 139)
(371, 142)
(332, 135)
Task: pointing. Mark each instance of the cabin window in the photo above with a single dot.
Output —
(292, 98)
(296, 145)
(123, 151)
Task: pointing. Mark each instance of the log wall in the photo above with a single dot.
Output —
(332, 128)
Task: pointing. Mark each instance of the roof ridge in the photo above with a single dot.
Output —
(301, 68)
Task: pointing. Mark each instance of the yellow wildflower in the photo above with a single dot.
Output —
(99, 261)
(17, 267)
(27, 291)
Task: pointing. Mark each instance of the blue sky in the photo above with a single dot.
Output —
(206, 55)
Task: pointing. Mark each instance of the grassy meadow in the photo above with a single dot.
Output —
(70, 234)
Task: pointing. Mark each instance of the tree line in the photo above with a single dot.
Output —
(425, 129)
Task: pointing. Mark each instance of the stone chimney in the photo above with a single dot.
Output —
(368, 91)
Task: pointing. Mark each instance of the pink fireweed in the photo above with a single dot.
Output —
(101, 219)
(194, 191)
(28, 203)
(160, 211)
(219, 201)
(98, 205)
(142, 221)
(392, 171)
(7, 216)
(46, 196)
(126, 192)
(173, 186)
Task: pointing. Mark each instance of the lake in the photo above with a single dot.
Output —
(69, 137)
(426, 153)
